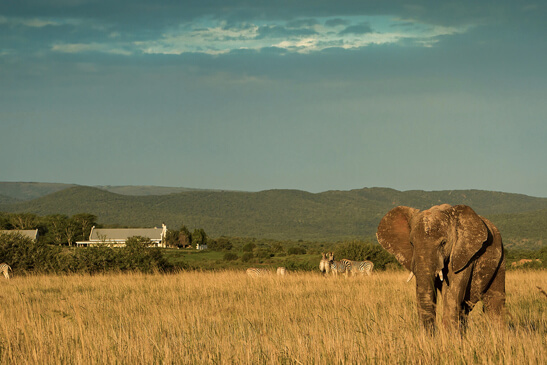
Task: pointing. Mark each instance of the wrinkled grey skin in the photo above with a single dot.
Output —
(449, 249)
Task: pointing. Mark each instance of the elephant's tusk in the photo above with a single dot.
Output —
(441, 275)
(410, 277)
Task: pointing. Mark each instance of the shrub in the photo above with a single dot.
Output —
(249, 247)
(246, 256)
(296, 251)
(277, 247)
(220, 244)
(138, 256)
(299, 265)
(24, 255)
(360, 251)
(230, 256)
(264, 253)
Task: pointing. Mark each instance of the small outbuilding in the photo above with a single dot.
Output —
(30, 233)
(116, 237)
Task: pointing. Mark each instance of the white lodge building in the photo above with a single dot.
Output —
(116, 237)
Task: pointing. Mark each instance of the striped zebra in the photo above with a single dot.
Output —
(4, 269)
(281, 271)
(324, 264)
(337, 267)
(362, 267)
(255, 272)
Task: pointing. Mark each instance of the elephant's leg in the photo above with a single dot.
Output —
(494, 297)
(467, 306)
(455, 308)
(452, 309)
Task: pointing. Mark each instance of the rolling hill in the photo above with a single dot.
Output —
(30, 190)
(289, 214)
(33, 190)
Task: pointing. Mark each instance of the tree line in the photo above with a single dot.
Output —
(61, 229)
(25, 256)
(58, 229)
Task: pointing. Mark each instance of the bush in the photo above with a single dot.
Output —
(296, 251)
(230, 256)
(137, 255)
(220, 244)
(249, 247)
(264, 253)
(277, 247)
(360, 251)
(299, 265)
(246, 256)
(24, 255)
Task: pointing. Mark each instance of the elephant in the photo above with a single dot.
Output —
(451, 250)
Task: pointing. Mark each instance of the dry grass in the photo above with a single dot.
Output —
(227, 317)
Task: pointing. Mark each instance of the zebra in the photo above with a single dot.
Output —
(338, 267)
(361, 267)
(4, 269)
(281, 271)
(324, 264)
(256, 272)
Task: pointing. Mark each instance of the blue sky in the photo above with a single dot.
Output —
(253, 95)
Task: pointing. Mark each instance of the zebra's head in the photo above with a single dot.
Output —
(324, 264)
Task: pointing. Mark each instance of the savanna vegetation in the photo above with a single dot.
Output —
(225, 317)
(180, 305)
(330, 216)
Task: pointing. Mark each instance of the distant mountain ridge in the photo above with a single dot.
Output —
(287, 214)
(33, 190)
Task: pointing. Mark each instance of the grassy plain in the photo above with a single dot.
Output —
(228, 318)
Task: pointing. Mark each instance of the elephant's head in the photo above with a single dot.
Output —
(433, 245)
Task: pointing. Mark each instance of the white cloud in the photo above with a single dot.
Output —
(217, 38)
(37, 22)
(211, 36)
(89, 47)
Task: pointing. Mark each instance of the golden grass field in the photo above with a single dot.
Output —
(229, 318)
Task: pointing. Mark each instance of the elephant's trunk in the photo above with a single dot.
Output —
(426, 297)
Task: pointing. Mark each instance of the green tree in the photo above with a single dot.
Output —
(5, 221)
(199, 237)
(179, 238)
(57, 224)
(83, 222)
(23, 221)
(172, 238)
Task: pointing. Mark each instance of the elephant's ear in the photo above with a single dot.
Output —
(394, 234)
(471, 233)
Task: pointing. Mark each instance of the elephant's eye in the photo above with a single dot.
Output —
(443, 242)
